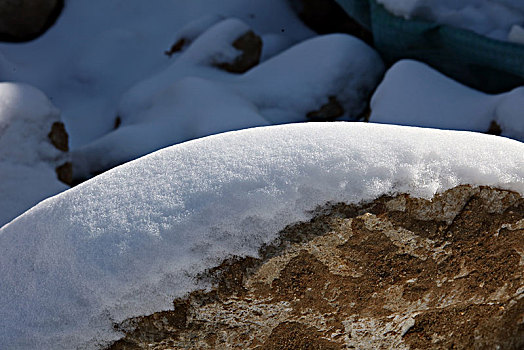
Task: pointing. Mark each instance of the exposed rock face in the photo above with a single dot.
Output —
(398, 273)
(22, 20)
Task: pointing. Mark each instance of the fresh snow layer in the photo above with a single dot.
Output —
(191, 99)
(498, 19)
(130, 240)
(98, 49)
(412, 93)
(27, 157)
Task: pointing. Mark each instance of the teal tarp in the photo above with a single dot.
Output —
(480, 62)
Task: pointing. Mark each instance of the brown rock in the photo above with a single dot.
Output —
(64, 173)
(328, 112)
(59, 137)
(397, 273)
(22, 20)
(250, 45)
(177, 47)
(494, 129)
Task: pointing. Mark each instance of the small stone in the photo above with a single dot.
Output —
(328, 112)
(118, 122)
(177, 47)
(58, 136)
(251, 46)
(64, 173)
(494, 129)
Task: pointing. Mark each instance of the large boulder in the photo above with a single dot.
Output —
(400, 272)
(22, 20)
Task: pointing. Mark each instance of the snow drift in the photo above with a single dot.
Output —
(129, 241)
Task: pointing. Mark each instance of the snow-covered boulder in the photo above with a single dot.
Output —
(397, 273)
(412, 93)
(328, 77)
(32, 144)
(129, 241)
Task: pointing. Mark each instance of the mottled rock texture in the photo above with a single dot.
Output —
(397, 273)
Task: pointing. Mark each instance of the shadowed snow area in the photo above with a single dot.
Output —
(128, 242)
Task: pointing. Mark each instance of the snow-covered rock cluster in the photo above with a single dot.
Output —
(192, 99)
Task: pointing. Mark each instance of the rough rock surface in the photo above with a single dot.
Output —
(397, 273)
(22, 20)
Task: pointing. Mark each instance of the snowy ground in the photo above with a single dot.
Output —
(103, 251)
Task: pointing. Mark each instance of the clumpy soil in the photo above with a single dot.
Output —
(397, 273)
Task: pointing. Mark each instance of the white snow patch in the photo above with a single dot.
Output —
(516, 34)
(129, 241)
(412, 93)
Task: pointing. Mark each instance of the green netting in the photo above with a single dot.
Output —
(483, 63)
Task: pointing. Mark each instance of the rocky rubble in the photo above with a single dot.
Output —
(397, 273)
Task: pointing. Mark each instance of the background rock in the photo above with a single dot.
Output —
(22, 20)
(326, 16)
(400, 273)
